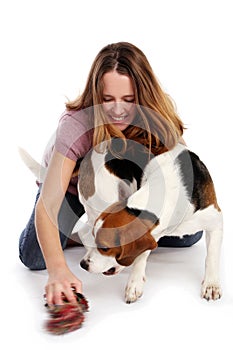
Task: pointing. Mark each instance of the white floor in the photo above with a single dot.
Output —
(170, 314)
(188, 45)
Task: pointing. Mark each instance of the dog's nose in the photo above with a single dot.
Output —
(84, 264)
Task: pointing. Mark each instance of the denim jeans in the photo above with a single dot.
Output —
(29, 250)
(71, 210)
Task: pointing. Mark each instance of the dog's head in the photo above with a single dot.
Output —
(121, 235)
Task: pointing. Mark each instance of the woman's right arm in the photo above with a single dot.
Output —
(61, 279)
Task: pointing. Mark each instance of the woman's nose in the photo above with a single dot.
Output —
(118, 108)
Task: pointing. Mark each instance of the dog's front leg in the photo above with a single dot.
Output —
(134, 288)
(211, 286)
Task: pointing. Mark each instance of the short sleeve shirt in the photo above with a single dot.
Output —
(73, 139)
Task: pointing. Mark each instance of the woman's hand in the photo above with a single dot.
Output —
(59, 286)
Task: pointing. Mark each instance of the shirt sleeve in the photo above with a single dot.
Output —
(74, 135)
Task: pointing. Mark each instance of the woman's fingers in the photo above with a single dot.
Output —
(57, 294)
(77, 286)
(61, 287)
(69, 295)
(54, 294)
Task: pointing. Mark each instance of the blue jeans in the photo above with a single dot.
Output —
(71, 210)
(29, 250)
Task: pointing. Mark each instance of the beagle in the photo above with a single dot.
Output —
(132, 202)
(171, 194)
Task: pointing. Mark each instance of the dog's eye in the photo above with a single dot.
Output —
(104, 249)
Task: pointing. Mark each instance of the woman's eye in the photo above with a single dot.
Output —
(129, 101)
(111, 100)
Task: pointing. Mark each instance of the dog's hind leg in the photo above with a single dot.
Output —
(211, 289)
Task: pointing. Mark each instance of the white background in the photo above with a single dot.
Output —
(47, 48)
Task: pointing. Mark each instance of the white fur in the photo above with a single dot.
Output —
(96, 265)
(107, 192)
(106, 189)
(137, 278)
(163, 194)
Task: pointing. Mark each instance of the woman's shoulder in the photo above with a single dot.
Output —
(73, 124)
(74, 134)
(77, 117)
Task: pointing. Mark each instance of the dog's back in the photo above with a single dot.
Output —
(196, 180)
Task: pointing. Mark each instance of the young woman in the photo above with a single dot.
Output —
(120, 79)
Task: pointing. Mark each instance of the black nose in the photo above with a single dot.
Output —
(84, 265)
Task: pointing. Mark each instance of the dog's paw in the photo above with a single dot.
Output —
(134, 290)
(211, 291)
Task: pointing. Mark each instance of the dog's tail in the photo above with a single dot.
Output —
(36, 168)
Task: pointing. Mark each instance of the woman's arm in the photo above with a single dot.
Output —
(61, 279)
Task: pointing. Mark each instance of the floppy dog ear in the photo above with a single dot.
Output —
(134, 239)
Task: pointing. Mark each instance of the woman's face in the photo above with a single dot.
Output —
(118, 99)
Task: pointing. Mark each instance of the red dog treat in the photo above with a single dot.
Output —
(67, 317)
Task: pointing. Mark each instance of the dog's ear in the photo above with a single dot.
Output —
(134, 239)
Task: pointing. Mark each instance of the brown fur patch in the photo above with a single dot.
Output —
(86, 177)
(124, 236)
(209, 195)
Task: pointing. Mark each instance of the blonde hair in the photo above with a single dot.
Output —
(158, 126)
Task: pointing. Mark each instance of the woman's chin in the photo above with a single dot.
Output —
(120, 126)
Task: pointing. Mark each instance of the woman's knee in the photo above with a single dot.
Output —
(31, 255)
(29, 250)
(33, 263)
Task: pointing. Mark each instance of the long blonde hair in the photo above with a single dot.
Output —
(158, 126)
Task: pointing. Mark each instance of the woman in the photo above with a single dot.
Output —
(120, 79)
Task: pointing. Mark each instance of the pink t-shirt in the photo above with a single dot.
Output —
(73, 139)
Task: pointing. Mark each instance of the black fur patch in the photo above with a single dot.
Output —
(143, 214)
(132, 163)
(195, 176)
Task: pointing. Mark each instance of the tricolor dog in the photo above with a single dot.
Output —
(134, 201)
(173, 195)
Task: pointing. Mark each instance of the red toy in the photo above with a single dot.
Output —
(67, 317)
